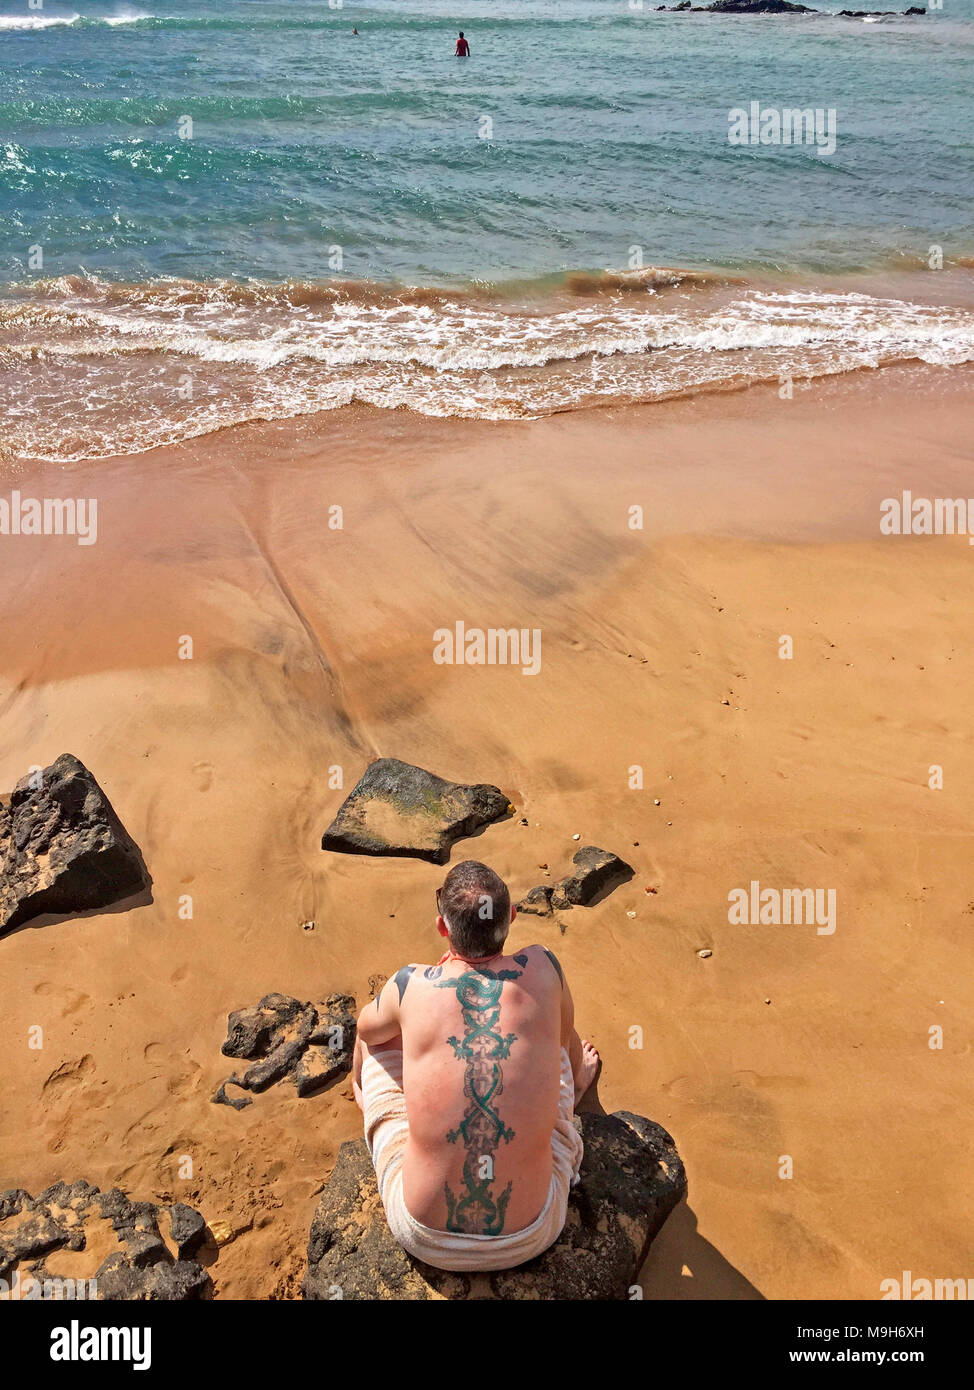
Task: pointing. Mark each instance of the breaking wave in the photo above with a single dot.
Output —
(93, 368)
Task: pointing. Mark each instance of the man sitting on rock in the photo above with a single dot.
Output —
(468, 1073)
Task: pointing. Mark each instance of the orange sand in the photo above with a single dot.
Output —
(313, 649)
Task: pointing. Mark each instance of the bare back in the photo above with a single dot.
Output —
(481, 1068)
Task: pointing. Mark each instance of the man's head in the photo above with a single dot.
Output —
(461, 35)
(475, 910)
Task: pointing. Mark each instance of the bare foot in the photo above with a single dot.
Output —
(588, 1070)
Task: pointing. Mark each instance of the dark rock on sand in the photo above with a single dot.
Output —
(285, 1051)
(63, 848)
(65, 1217)
(398, 809)
(162, 1282)
(631, 1179)
(538, 901)
(186, 1228)
(220, 1096)
(287, 1040)
(595, 870)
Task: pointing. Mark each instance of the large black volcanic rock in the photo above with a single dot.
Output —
(631, 1179)
(398, 809)
(67, 1216)
(62, 847)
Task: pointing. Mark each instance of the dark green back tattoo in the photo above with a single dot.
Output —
(478, 1211)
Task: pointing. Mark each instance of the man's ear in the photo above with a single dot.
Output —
(513, 912)
(442, 928)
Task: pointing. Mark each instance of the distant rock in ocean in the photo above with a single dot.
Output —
(596, 870)
(62, 847)
(631, 1179)
(758, 7)
(75, 1217)
(306, 1044)
(398, 809)
(775, 7)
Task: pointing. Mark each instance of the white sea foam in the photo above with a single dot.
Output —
(24, 22)
(461, 338)
(127, 17)
(108, 358)
(29, 21)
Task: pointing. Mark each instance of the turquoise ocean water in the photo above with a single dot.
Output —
(325, 171)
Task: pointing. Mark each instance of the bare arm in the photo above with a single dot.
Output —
(569, 1037)
(380, 1021)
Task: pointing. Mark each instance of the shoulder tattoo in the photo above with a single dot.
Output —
(555, 962)
(400, 980)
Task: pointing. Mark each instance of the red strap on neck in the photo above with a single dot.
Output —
(467, 960)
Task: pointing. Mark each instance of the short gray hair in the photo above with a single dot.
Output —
(476, 905)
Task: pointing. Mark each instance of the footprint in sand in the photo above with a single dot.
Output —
(66, 1078)
(185, 1073)
(179, 1071)
(723, 1090)
(73, 999)
(203, 773)
(778, 1083)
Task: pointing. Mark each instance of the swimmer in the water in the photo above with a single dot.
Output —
(463, 48)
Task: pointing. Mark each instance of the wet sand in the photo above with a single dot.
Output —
(312, 649)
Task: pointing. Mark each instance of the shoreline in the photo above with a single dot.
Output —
(312, 648)
(99, 369)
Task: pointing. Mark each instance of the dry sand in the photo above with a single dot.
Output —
(312, 648)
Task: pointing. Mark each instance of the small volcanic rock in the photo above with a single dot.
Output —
(538, 902)
(595, 870)
(307, 1044)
